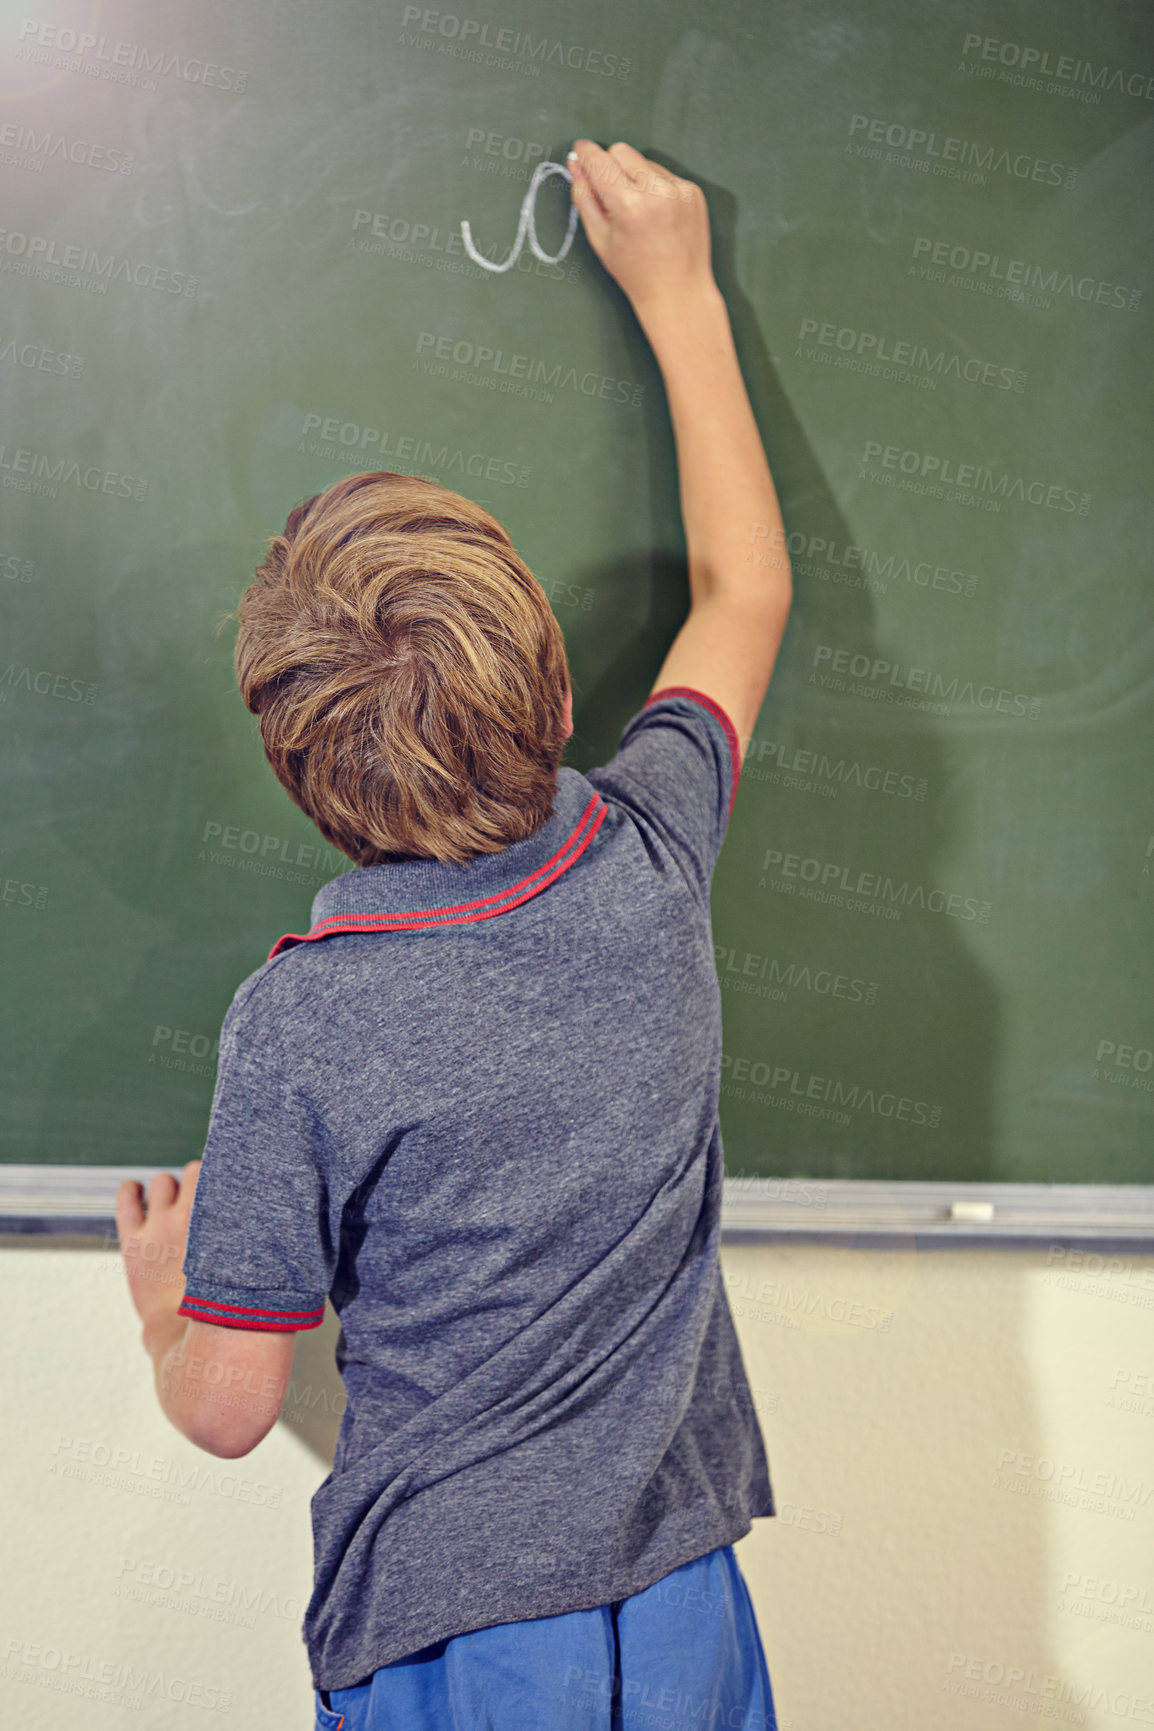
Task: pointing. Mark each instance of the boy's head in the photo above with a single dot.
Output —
(408, 672)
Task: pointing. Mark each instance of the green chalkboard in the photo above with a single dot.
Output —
(232, 272)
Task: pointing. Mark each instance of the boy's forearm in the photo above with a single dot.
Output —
(729, 504)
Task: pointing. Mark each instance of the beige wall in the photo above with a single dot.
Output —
(920, 1409)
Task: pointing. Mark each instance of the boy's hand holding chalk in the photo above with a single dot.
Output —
(649, 228)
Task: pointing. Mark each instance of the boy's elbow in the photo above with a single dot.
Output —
(231, 1449)
(773, 607)
(228, 1441)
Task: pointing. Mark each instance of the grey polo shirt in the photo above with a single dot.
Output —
(476, 1106)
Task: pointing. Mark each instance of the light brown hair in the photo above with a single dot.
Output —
(408, 672)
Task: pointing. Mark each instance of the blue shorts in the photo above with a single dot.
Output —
(684, 1653)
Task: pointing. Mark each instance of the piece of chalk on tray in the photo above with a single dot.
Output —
(971, 1210)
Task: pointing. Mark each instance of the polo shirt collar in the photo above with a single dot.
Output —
(414, 895)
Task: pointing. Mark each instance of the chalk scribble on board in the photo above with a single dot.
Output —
(527, 227)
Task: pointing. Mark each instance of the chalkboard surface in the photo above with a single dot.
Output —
(233, 271)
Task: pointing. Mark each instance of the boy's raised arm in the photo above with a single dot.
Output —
(650, 230)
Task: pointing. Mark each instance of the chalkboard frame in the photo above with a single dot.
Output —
(54, 1201)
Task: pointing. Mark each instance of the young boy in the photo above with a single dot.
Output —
(476, 1103)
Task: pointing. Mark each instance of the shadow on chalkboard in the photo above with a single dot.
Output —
(937, 1035)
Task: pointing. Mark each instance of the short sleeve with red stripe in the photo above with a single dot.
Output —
(677, 767)
(260, 1244)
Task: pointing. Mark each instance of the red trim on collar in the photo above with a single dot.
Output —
(465, 913)
(715, 710)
